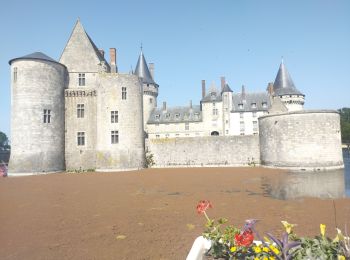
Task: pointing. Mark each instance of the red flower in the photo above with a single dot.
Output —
(244, 239)
(203, 205)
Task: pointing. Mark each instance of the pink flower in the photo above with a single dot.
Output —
(203, 205)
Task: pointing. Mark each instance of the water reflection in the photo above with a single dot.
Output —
(327, 184)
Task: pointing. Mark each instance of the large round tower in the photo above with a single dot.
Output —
(37, 121)
(150, 88)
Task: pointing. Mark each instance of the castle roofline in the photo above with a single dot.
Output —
(36, 56)
(284, 84)
(142, 70)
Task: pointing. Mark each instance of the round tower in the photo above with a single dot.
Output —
(284, 88)
(150, 87)
(37, 120)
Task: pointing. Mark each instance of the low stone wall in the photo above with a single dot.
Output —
(204, 151)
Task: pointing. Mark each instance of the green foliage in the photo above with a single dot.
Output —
(149, 161)
(316, 248)
(345, 124)
(3, 140)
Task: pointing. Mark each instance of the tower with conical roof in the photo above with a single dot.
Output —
(150, 87)
(284, 88)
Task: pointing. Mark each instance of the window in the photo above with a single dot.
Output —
(253, 105)
(157, 136)
(196, 115)
(187, 126)
(114, 116)
(81, 79)
(264, 104)
(177, 116)
(123, 93)
(15, 74)
(80, 110)
(240, 115)
(254, 114)
(215, 112)
(255, 126)
(150, 100)
(157, 117)
(241, 126)
(166, 135)
(47, 116)
(240, 106)
(81, 138)
(114, 137)
(226, 121)
(167, 115)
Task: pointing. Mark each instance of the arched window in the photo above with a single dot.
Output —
(214, 133)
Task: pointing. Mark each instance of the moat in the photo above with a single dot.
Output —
(321, 184)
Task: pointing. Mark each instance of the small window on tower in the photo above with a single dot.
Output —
(81, 79)
(80, 110)
(114, 116)
(123, 93)
(150, 100)
(114, 137)
(15, 74)
(81, 138)
(47, 116)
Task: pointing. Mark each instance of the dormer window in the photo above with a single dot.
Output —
(264, 104)
(157, 117)
(177, 116)
(196, 115)
(253, 105)
(240, 106)
(167, 115)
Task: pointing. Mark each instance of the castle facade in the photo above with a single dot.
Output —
(81, 113)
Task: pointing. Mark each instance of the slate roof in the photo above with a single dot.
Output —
(35, 56)
(142, 70)
(248, 99)
(175, 115)
(213, 95)
(284, 84)
(226, 89)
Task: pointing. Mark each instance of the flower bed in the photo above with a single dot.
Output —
(223, 241)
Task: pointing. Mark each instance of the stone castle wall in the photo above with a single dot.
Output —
(301, 140)
(204, 151)
(37, 146)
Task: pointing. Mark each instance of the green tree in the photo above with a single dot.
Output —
(345, 124)
(3, 140)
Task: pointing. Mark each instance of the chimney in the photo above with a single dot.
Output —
(151, 69)
(113, 60)
(243, 92)
(164, 106)
(223, 82)
(203, 88)
(270, 88)
(102, 52)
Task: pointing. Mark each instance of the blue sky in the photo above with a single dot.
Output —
(193, 40)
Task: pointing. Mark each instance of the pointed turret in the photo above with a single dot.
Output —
(81, 54)
(284, 88)
(284, 84)
(142, 70)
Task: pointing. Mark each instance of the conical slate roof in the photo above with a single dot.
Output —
(34, 56)
(226, 89)
(284, 84)
(142, 70)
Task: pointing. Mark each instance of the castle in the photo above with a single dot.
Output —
(81, 113)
